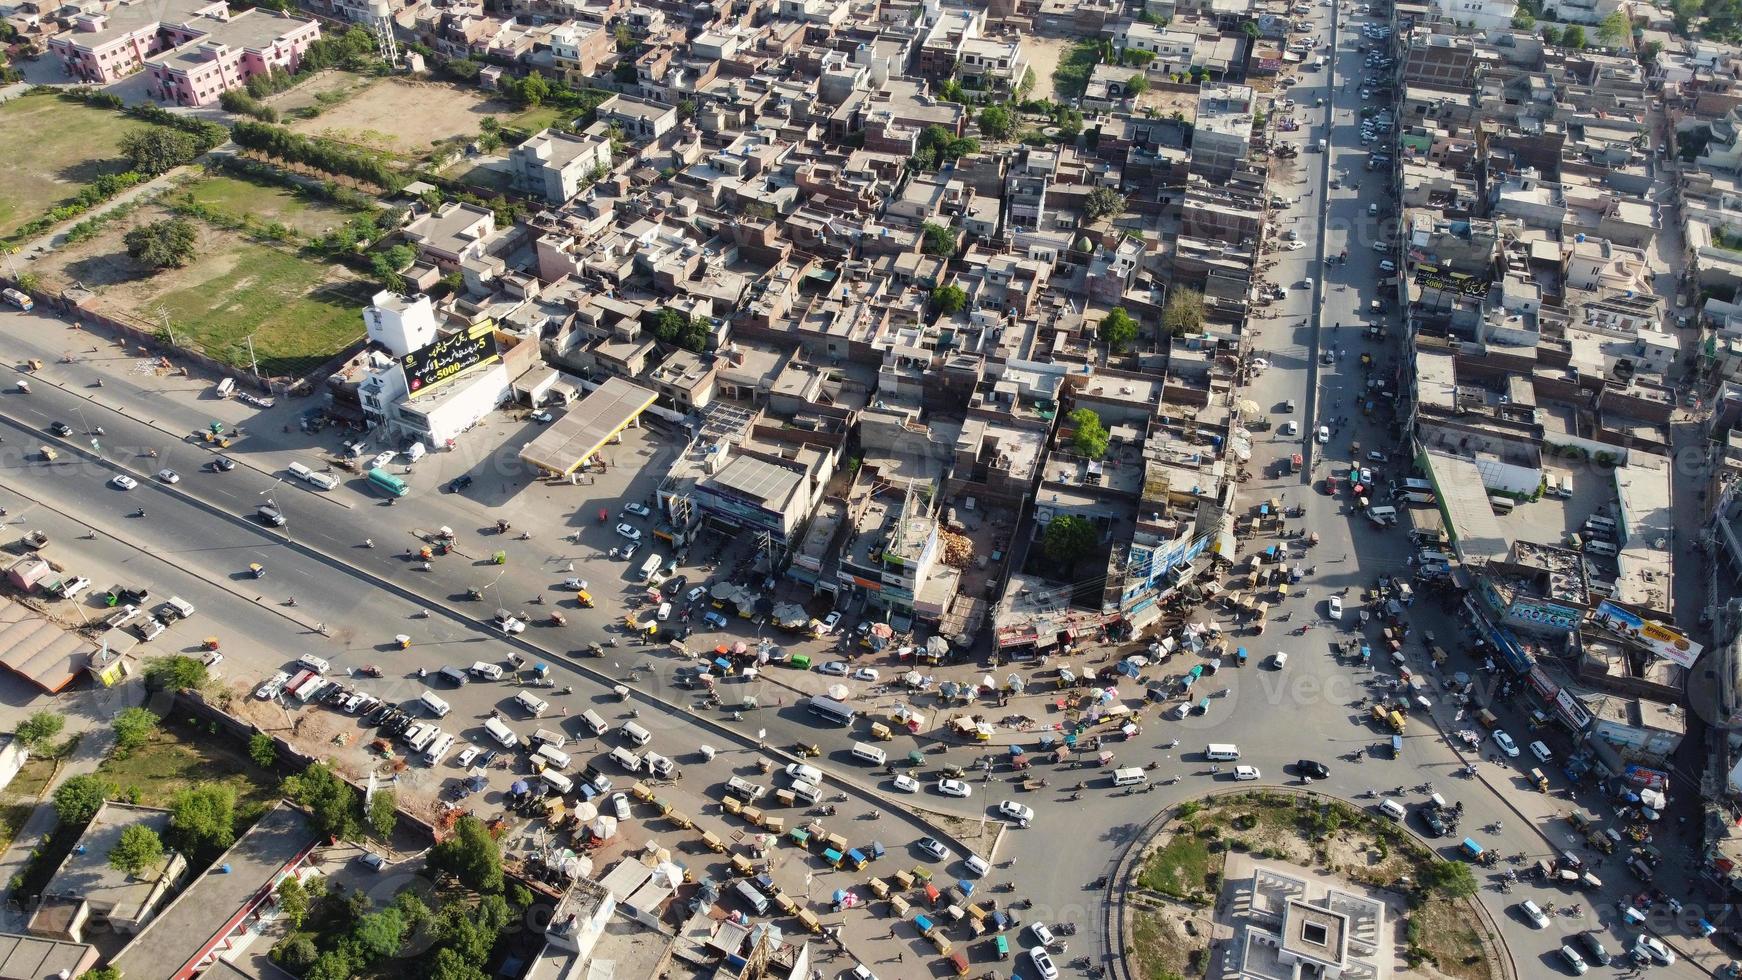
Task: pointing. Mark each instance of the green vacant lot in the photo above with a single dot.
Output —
(293, 307)
(54, 147)
(267, 203)
(178, 757)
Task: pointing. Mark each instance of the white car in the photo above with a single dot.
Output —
(1507, 745)
(122, 481)
(868, 674)
(636, 510)
(629, 531)
(1043, 964)
(1290, 428)
(832, 620)
(696, 593)
(168, 475)
(1016, 811)
(906, 783)
(1541, 752)
(1324, 431)
(810, 774)
(510, 626)
(1532, 914)
(1279, 660)
(937, 850)
(466, 757)
(212, 659)
(834, 668)
(620, 806)
(382, 459)
(955, 787)
(1042, 934)
(1652, 948)
(270, 689)
(1295, 246)
(1334, 605)
(664, 612)
(1246, 773)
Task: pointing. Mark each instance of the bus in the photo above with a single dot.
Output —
(384, 481)
(831, 711)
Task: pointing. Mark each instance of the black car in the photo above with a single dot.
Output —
(61, 429)
(674, 587)
(459, 483)
(1434, 821)
(374, 715)
(1594, 949)
(1317, 770)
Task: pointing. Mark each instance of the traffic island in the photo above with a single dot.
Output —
(1270, 878)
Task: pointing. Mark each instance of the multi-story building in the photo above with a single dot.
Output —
(1439, 60)
(228, 54)
(1223, 134)
(554, 165)
(109, 45)
(1483, 15)
(577, 50)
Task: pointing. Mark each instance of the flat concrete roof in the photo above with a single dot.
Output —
(33, 958)
(216, 903)
(569, 441)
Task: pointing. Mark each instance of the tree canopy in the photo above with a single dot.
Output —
(471, 855)
(174, 673)
(40, 729)
(1118, 330)
(139, 848)
(1453, 879)
(938, 239)
(937, 146)
(203, 818)
(157, 150)
(680, 328)
(1103, 201)
(1069, 539)
(133, 727)
(166, 244)
(330, 799)
(998, 122)
(949, 300)
(79, 797)
(1614, 29)
(1184, 312)
(1088, 435)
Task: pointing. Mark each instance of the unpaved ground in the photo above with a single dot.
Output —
(327, 87)
(1044, 55)
(404, 117)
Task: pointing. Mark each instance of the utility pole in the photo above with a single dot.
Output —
(251, 358)
(163, 315)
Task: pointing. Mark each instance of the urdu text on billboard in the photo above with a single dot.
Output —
(446, 359)
(1656, 637)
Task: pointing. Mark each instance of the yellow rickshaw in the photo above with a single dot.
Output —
(784, 797)
(941, 942)
(741, 866)
(679, 820)
(785, 903)
(808, 919)
(881, 732)
(730, 805)
(898, 905)
(774, 825)
(903, 880)
(879, 887)
(585, 599)
(753, 815)
(714, 842)
(640, 791)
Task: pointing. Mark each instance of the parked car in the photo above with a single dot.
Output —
(636, 509)
(1507, 745)
(629, 531)
(955, 787)
(830, 621)
(931, 846)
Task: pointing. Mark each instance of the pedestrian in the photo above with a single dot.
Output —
(565, 711)
(901, 957)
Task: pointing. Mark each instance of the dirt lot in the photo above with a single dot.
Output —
(298, 310)
(1044, 54)
(401, 116)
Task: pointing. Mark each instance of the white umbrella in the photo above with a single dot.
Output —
(838, 692)
(937, 646)
(912, 678)
(585, 812)
(604, 828)
(988, 683)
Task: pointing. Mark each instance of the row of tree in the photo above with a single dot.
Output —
(277, 143)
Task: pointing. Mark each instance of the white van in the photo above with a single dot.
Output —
(1221, 752)
(635, 733)
(625, 758)
(1501, 505)
(532, 704)
(1382, 515)
(438, 748)
(870, 753)
(806, 793)
(314, 663)
(489, 672)
(1603, 548)
(454, 676)
(419, 737)
(545, 736)
(650, 568)
(311, 477)
(554, 758)
(182, 608)
(436, 705)
(502, 734)
(596, 724)
(557, 781)
(1129, 777)
(1391, 808)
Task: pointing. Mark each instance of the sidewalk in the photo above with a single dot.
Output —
(94, 745)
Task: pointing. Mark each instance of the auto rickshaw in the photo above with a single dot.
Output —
(48, 453)
(403, 640)
(557, 618)
(256, 569)
(881, 732)
(806, 751)
(585, 598)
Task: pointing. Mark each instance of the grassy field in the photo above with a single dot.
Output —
(539, 117)
(178, 757)
(12, 818)
(267, 203)
(69, 145)
(39, 770)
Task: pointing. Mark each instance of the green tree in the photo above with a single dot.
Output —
(686, 109)
(1069, 539)
(937, 239)
(133, 728)
(158, 149)
(1250, 28)
(1118, 330)
(293, 901)
(39, 729)
(80, 797)
(1136, 85)
(533, 90)
(937, 145)
(334, 964)
(1088, 436)
(1101, 202)
(1649, 51)
(331, 801)
(174, 674)
(997, 122)
(471, 855)
(379, 934)
(1523, 21)
(1551, 35)
(383, 812)
(624, 37)
(1453, 879)
(101, 973)
(1614, 29)
(139, 848)
(451, 965)
(1573, 37)
(1137, 57)
(166, 244)
(949, 300)
(262, 750)
(296, 953)
(1184, 312)
(203, 818)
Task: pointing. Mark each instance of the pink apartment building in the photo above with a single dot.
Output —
(195, 49)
